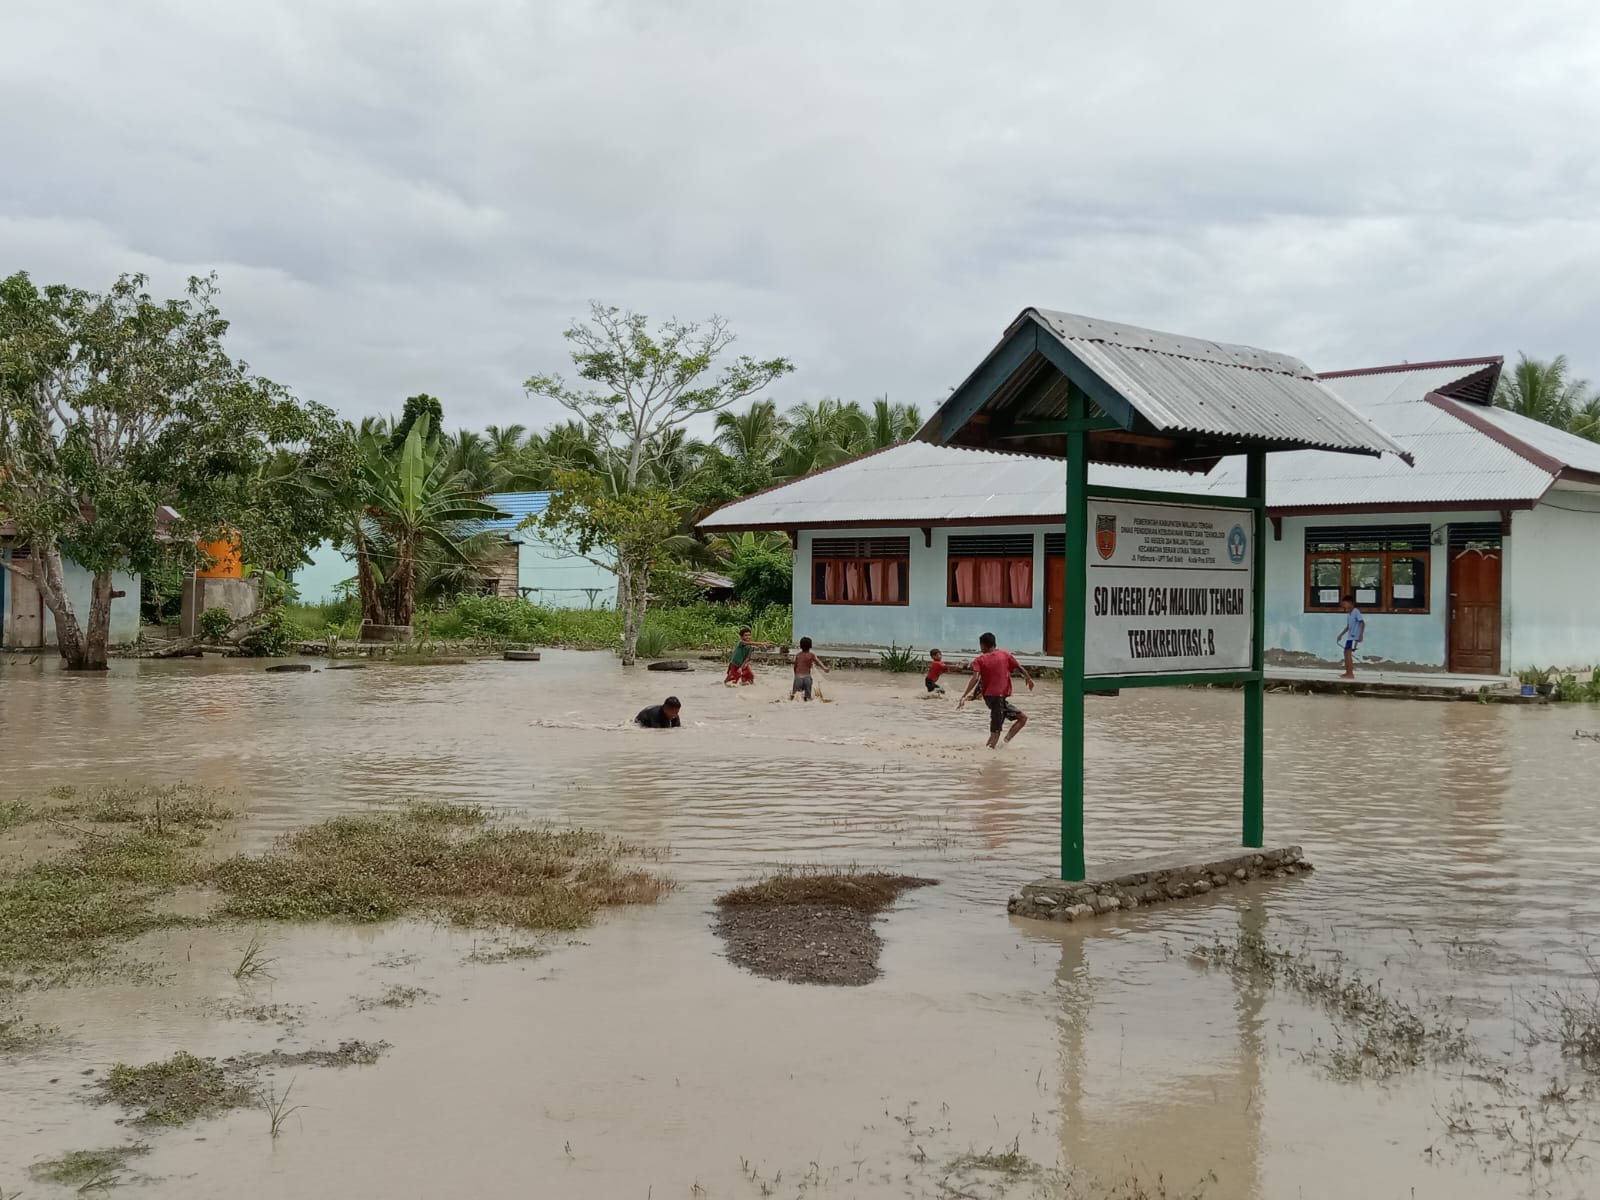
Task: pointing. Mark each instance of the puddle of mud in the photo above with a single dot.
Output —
(1456, 848)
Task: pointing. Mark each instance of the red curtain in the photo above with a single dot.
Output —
(991, 582)
(1022, 582)
(892, 595)
(965, 593)
(854, 583)
(875, 581)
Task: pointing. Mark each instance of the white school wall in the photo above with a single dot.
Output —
(926, 621)
(1552, 584)
(80, 589)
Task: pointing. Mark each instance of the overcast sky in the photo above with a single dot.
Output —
(404, 197)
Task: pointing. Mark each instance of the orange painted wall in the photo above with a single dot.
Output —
(229, 563)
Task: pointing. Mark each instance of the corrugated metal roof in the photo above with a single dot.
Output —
(518, 505)
(1569, 449)
(1456, 463)
(1187, 385)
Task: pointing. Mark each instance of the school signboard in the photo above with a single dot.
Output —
(1170, 589)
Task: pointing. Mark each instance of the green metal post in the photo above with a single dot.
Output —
(1072, 639)
(1255, 691)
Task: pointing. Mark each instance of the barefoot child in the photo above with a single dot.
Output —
(991, 677)
(803, 663)
(739, 671)
(1355, 628)
(936, 668)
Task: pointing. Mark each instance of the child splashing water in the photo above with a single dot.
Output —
(739, 671)
(804, 662)
(936, 668)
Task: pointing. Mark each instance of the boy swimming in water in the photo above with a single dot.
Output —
(803, 664)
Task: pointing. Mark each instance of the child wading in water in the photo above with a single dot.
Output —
(803, 663)
(991, 676)
(739, 671)
(936, 668)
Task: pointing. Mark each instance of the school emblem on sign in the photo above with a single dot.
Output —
(1105, 534)
(1236, 545)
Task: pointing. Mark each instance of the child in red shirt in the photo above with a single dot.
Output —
(936, 668)
(991, 676)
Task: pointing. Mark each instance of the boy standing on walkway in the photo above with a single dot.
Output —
(991, 676)
(1355, 628)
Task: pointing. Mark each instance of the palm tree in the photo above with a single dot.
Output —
(505, 440)
(752, 440)
(1543, 391)
(819, 435)
(417, 504)
(1586, 421)
(890, 424)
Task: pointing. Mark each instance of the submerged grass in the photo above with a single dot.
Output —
(439, 861)
(864, 891)
(88, 1170)
(176, 1090)
(18, 1036)
(58, 913)
(1380, 1034)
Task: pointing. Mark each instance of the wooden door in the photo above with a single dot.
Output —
(1475, 611)
(1055, 593)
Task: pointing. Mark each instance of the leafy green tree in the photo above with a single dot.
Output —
(640, 386)
(418, 406)
(1544, 391)
(114, 405)
(1586, 421)
(819, 435)
(626, 530)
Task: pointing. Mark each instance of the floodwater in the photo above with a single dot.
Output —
(1456, 847)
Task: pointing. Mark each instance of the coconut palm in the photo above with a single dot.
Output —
(1542, 390)
(890, 424)
(819, 435)
(1586, 421)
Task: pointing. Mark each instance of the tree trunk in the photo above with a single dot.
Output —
(79, 650)
(372, 610)
(405, 580)
(631, 617)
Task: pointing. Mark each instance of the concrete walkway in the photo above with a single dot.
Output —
(1371, 681)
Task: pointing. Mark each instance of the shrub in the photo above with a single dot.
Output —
(762, 574)
(270, 639)
(652, 642)
(898, 660)
(215, 623)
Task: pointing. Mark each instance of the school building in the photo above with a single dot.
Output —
(1480, 558)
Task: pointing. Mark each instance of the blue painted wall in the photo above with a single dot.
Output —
(927, 621)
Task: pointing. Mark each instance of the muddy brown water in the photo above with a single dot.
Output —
(1457, 854)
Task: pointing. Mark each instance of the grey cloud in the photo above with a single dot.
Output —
(419, 196)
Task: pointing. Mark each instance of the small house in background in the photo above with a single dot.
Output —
(525, 564)
(1483, 557)
(25, 622)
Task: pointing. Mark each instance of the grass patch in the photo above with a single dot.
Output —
(393, 996)
(88, 1170)
(154, 810)
(23, 1037)
(1569, 1018)
(424, 861)
(61, 911)
(351, 1053)
(1010, 1162)
(1379, 1035)
(863, 891)
(176, 1090)
(501, 954)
